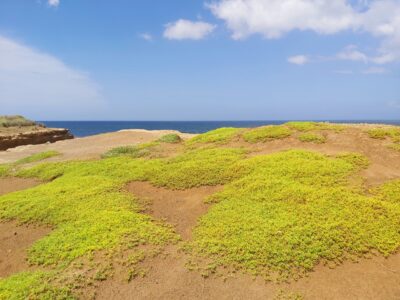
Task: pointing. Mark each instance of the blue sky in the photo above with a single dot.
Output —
(200, 60)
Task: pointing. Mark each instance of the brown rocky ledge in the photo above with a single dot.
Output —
(32, 136)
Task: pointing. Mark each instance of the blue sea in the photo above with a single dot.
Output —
(86, 128)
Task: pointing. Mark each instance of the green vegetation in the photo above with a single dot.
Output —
(196, 168)
(217, 136)
(310, 126)
(289, 211)
(37, 157)
(4, 170)
(266, 133)
(387, 132)
(312, 138)
(14, 121)
(31, 285)
(85, 206)
(383, 133)
(281, 213)
(136, 151)
(302, 126)
(171, 138)
(393, 146)
(356, 159)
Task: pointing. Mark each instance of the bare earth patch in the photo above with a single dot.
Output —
(90, 147)
(179, 208)
(167, 277)
(14, 241)
(12, 184)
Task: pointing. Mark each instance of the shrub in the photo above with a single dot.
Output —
(170, 138)
(395, 147)
(312, 138)
(14, 121)
(263, 134)
(136, 151)
(382, 133)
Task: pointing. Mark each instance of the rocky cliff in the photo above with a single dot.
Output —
(14, 138)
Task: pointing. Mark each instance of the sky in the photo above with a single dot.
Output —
(200, 60)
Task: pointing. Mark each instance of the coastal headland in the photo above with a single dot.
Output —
(302, 210)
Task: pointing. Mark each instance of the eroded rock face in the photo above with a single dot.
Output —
(41, 136)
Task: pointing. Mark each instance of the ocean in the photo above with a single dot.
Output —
(87, 128)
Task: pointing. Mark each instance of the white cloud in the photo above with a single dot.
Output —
(275, 18)
(374, 70)
(40, 85)
(54, 3)
(298, 60)
(185, 29)
(352, 53)
(146, 36)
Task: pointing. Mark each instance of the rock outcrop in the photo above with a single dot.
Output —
(33, 137)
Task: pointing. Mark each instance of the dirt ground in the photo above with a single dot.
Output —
(167, 276)
(88, 147)
(16, 239)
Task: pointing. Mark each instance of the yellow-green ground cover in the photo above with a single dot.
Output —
(6, 168)
(277, 214)
(383, 133)
(217, 136)
(312, 138)
(266, 133)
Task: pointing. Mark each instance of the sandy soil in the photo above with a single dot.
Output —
(167, 276)
(179, 208)
(385, 162)
(14, 242)
(15, 239)
(8, 185)
(88, 147)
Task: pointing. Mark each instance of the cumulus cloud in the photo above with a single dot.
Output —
(54, 3)
(298, 60)
(185, 29)
(42, 86)
(352, 53)
(275, 18)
